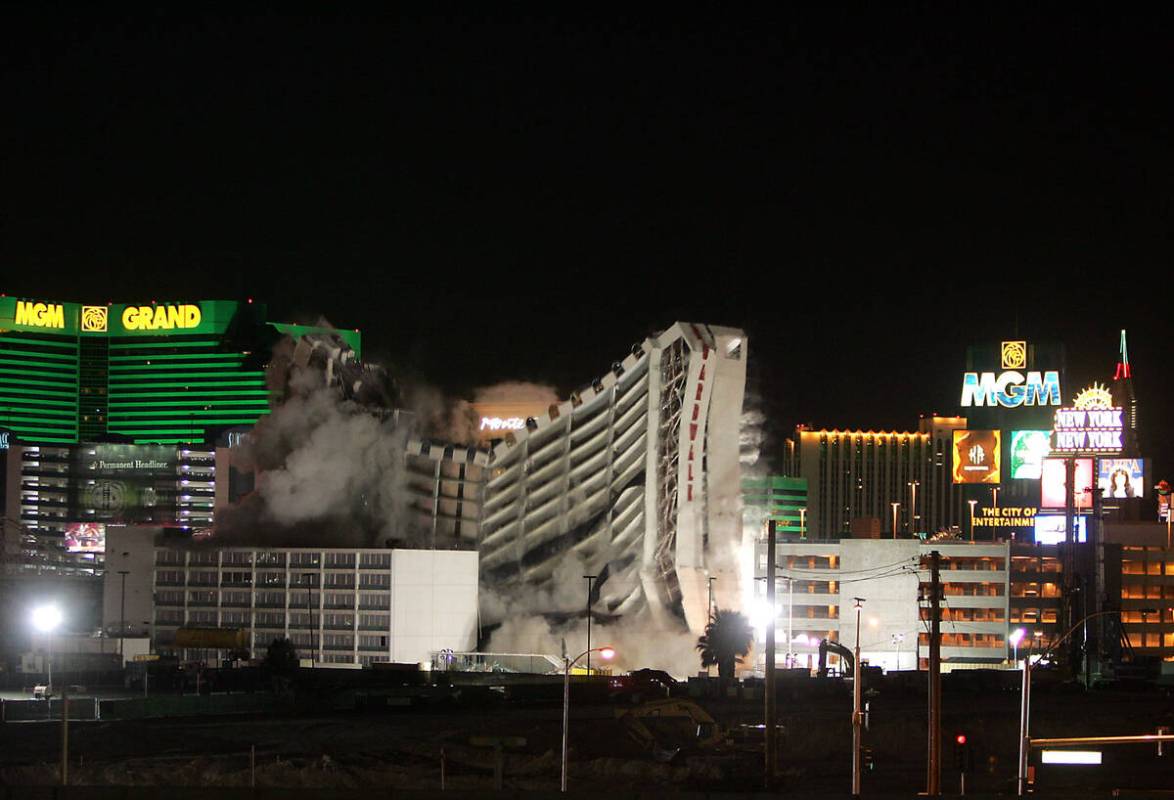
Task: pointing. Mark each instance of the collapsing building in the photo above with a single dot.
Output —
(636, 477)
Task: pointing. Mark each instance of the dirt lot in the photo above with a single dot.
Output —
(401, 748)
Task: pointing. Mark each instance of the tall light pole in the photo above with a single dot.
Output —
(1025, 696)
(589, 579)
(607, 653)
(895, 506)
(1015, 638)
(913, 507)
(47, 619)
(972, 504)
(122, 617)
(803, 525)
(857, 711)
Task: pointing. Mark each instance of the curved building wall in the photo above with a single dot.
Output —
(636, 475)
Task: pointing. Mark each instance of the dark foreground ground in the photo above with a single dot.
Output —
(371, 753)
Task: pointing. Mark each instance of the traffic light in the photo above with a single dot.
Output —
(962, 757)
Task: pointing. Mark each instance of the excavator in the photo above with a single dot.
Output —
(666, 727)
(846, 660)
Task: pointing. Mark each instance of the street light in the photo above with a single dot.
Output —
(913, 507)
(607, 654)
(972, 504)
(46, 619)
(590, 580)
(1025, 696)
(803, 525)
(857, 711)
(1015, 638)
(895, 506)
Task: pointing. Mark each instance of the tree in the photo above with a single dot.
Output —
(282, 657)
(727, 638)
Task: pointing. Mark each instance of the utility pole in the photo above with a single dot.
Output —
(933, 778)
(589, 579)
(857, 709)
(122, 618)
(771, 734)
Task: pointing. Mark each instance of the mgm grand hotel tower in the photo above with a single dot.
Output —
(110, 414)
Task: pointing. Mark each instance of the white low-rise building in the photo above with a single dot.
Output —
(337, 605)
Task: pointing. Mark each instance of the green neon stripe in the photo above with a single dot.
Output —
(234, 393)
(173, 343)
(68, 413)
(153, 372)
(146, 426)
(54, 357)
(163, 403)
(67, 344)
(179, 356)
(55, 429)
(167, 441)
(185, 385)
(191, 413)
(38, 392)
(43, 439)
(27, 401)
(65, 369)
(69, 422)
(22, 373)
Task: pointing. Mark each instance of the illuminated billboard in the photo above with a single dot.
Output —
(1011, 389)
(1092, 425)
(1121, 477)
(976, 457)
(1053, 485)
(1028, 451)
(1052, 528)
(85, 537)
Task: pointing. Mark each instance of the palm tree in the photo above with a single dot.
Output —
(727, 638)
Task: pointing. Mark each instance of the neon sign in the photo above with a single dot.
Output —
(1092, 425)
(500, 424)
(1011, 389)
(153, 318)
(40, 315)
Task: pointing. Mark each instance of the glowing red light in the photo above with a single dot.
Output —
(960, 738)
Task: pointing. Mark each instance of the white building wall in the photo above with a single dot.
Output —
(433, 603)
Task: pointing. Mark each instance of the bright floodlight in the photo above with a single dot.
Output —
(46, 618)
(1017, 636)
(608, 653)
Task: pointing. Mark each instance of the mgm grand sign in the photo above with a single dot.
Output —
(1014, 386)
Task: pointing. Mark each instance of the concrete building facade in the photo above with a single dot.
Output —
(338, 606)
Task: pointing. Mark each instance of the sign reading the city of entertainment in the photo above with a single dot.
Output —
(1121, 477)
(39, 315)
(1006, 517)
(1052, 528)
(1054, 486)
(1092, 425)
(1011, 388)
(1028, 451)
(976, 457)
(161, 317)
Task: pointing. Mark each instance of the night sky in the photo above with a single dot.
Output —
(518, 197)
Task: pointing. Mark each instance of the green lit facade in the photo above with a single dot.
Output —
(783, 500)
(155, 373)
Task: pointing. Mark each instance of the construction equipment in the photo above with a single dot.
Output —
(846, 659)
(666, 727)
